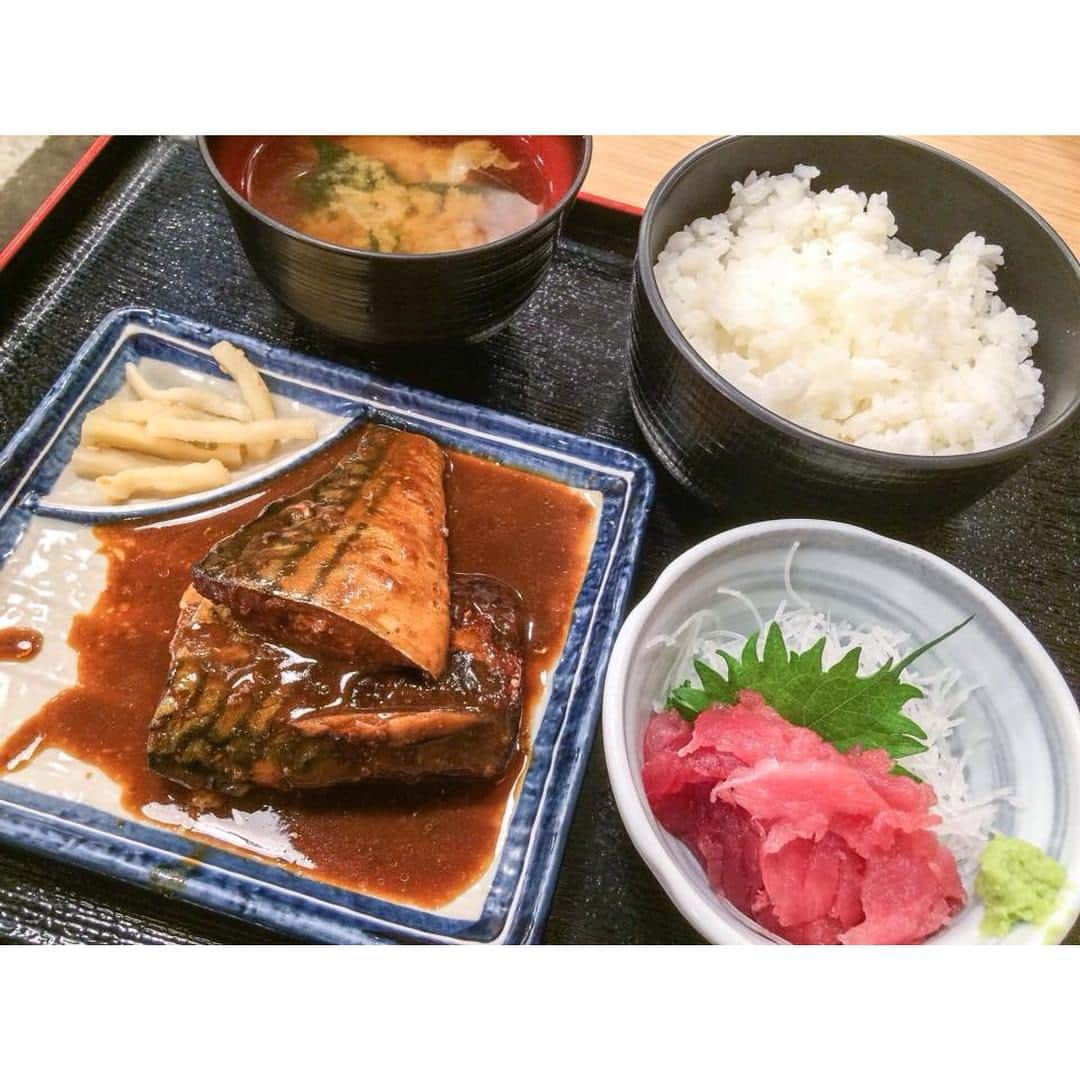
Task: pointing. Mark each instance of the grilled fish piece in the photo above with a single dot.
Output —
(241, 711)
(354, 566)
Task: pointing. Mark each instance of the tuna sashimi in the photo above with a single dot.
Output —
(802, 878)
(809, 794)
(730, 849)
(819, 846)
(752, 731)
(908, 893)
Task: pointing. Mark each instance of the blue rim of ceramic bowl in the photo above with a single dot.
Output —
(648, 837)
(865, 455)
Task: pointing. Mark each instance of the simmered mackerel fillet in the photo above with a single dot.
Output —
(240, 711)
(354, 566)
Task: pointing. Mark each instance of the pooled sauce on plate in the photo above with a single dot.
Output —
(19, 643)
(396, 193)
(421, 844)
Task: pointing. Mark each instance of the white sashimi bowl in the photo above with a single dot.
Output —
(1021, 728)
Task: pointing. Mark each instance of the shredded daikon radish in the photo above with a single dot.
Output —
(966, 823)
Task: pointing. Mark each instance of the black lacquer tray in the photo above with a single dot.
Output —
(145, 227)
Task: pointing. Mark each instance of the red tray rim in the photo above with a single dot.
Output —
(45, 207)
(611, 204)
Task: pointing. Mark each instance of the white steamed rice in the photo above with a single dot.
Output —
(810, 304)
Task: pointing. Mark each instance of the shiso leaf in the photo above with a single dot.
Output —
(712, 684)
(842, 706)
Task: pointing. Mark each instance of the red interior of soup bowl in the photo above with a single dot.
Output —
(550, 162)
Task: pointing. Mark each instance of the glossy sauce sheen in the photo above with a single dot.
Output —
(19, 643)
(421, 844)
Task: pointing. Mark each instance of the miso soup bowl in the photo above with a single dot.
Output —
(1021, 727)
(730, 450)
(378, 298)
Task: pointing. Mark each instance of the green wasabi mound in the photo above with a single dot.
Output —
(1017, 882)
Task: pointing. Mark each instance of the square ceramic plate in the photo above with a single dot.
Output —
(74, 814)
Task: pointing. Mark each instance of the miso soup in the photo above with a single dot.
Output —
(397, 193)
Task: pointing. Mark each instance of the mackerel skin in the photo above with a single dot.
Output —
(354, 566)
(240, 711)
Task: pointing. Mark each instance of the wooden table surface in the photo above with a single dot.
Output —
(1044, 170)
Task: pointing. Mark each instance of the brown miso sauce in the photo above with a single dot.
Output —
(421, 844)
(19, 643)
